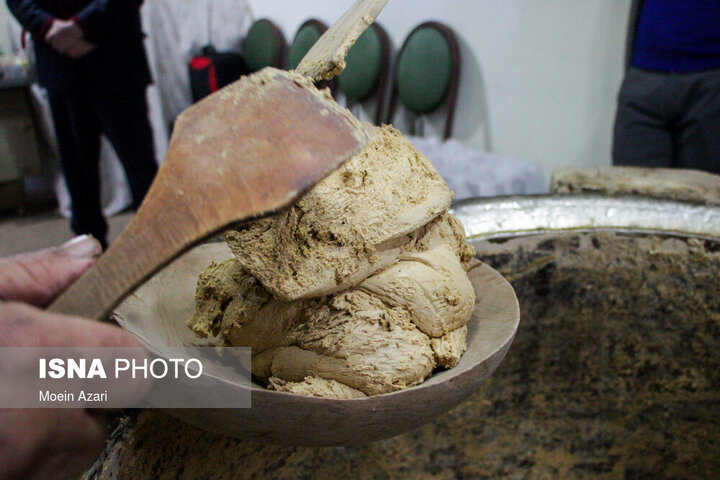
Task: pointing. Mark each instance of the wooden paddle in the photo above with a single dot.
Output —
(250, 149)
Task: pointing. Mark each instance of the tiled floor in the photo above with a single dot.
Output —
(41, 230)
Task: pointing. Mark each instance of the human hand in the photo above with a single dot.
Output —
(50, 443)
(80, 49)
(63, 35)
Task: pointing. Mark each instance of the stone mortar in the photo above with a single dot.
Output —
(614, 373)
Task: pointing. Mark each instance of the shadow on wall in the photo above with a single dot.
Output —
(473, 112)
(607, 48)
(472, 109)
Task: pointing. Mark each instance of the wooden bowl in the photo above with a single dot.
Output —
(156, 313)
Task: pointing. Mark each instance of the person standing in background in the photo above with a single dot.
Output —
(91, 58)
(669, 104)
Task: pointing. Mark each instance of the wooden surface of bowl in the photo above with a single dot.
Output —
(157, 314)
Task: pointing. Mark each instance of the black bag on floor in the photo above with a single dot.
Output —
(212, 70)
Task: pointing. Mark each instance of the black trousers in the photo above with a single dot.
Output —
(668, 120)
(80, 117)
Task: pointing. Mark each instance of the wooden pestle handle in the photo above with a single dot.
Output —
(326, 58)
(247, 150)
(167, 224)
(150, 241)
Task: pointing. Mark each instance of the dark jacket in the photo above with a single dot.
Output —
(118, 63)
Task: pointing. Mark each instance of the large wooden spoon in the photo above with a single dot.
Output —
(247, 150)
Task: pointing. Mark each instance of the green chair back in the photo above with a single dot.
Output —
(364, 66)
(367, 67)
(427, 71)
(423, 75)
(263, 46)
(306, 36)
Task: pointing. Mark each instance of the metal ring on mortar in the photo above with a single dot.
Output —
(499, 217)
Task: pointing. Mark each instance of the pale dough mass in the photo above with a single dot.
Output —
(358, 289)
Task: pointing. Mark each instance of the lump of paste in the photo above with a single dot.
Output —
(387, 333)
(359, 289)
(316, 387)
(430, 280)
(356, 221)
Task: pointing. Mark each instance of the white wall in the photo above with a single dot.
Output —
(4, 33)
(539, 79)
